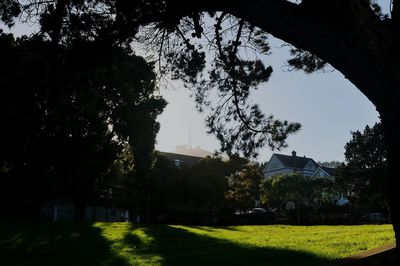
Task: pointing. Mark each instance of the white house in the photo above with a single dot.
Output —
(280, 164)
(324, 172)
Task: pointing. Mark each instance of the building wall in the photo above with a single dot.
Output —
(320, 173)
(281, 171)
(274, 164)
(307, 172)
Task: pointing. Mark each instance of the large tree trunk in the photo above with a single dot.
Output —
(392, 142)
(346, 34)
(349, 36)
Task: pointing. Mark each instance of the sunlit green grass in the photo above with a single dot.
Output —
(127, 244)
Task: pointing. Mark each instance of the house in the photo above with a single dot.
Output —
(281, 164)
(188, 150)
(180, 160)
(324, 172)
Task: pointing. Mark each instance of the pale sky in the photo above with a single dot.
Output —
(326, 104)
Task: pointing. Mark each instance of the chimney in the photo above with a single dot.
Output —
(294, 153)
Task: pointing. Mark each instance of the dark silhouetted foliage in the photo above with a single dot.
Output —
(355, 37)
(365, 173)
(68, 117)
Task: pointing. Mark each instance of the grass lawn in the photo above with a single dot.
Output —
(127, 244)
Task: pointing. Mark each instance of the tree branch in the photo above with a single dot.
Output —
(395, 12)
(346, 34)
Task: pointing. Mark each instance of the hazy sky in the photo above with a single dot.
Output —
(326, 104)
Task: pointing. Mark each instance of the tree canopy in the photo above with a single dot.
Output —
(364, 175)
(366, 149)
(69, 117)
(305, 193)
(226, 29)
(244, 187)
(352, 36)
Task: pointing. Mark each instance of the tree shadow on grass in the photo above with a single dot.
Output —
(176, 246)
(23, 243)
(34, 243)
(214, 228)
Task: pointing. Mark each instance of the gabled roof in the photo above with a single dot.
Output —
(187, 160)
(294, 161)
(329, 170)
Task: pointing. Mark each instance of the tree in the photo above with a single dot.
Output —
(207, 184)
(353, 36)
(305, 193)
(244, 187)
(279, 190)
(167, 184)
(331, 164)
(57, 123)
(203, 186)
(366, 150)
(364, 176)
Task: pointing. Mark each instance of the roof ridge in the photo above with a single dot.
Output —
(294, 161)
(291, 156)
(174, 153)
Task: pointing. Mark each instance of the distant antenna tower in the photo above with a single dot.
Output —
(190, 137)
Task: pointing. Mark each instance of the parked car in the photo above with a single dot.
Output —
(255, 216)
(258, 210)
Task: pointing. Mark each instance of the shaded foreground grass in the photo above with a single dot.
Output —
(127, 244)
